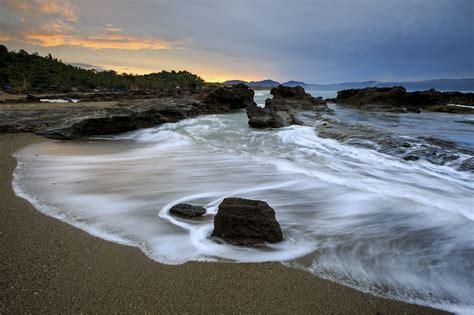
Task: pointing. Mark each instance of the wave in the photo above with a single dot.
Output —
(354, 215)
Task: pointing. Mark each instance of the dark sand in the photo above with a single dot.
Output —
(48, 266)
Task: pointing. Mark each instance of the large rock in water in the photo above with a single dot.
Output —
(397, 99)
(228, 98)
(282, 110)
(246, 222)
(187, 211)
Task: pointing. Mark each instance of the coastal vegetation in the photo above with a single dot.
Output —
(23, 72)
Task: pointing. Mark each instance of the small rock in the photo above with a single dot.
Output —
(187, 211)
(411, 158)
(32, 98)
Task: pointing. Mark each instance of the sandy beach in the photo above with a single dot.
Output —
(50, 266)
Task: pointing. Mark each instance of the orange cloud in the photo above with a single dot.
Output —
(4, 38)
(62, 8)
(56, 26)
(51, 23)
(31, 8)
(100, 41)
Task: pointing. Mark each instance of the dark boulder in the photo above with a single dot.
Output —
(187, 211)
(246, 93)
(228, 98)
(246, 222)
(268, 118)
(397, 99)
(282, 110)
(294, 98)
(395, 96)
(411, 157)
(32, 98)
(295, 92)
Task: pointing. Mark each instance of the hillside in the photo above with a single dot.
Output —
(22, 72)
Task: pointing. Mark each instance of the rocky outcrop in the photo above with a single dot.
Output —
(467, 121)
(451, 109)
(397, 99)
(433, 150)
(246, 222)
(285, 106)
(269, 118)
(228, 98)
(75, 122)
(185, 210)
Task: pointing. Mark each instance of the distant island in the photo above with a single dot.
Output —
(438, 84)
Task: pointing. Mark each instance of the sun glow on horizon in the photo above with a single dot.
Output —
(207, 76)
(56, 27)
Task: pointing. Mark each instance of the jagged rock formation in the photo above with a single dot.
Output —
(78, 121)
(433, 150)
(282, 110)
(397, 99)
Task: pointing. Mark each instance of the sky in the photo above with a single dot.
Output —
(318, 41)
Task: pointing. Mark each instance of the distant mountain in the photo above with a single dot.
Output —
(341, 86)
(87, 66)
(235, 82)
(438, 84)
(294, 83)
(264, 83)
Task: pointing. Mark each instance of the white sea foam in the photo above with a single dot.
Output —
(375, 222)
(58, 100)
(458, 105)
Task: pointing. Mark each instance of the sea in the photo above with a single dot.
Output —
(350, 213)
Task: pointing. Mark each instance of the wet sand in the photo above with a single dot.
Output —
(49, 266)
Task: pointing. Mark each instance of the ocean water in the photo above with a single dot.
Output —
(365, 219)
(429, 124)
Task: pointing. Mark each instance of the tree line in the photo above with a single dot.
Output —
(24, 72)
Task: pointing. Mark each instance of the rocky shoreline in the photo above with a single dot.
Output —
(433, 150)
(76, 122)
(131, 111)
(397, 99)
(118, 113)
(293, 106)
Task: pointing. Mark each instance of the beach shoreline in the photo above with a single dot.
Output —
(50, 266)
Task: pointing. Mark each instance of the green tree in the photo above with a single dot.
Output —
(24, 71)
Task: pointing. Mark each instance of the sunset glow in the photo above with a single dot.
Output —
(116, 41)
(254, 41)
